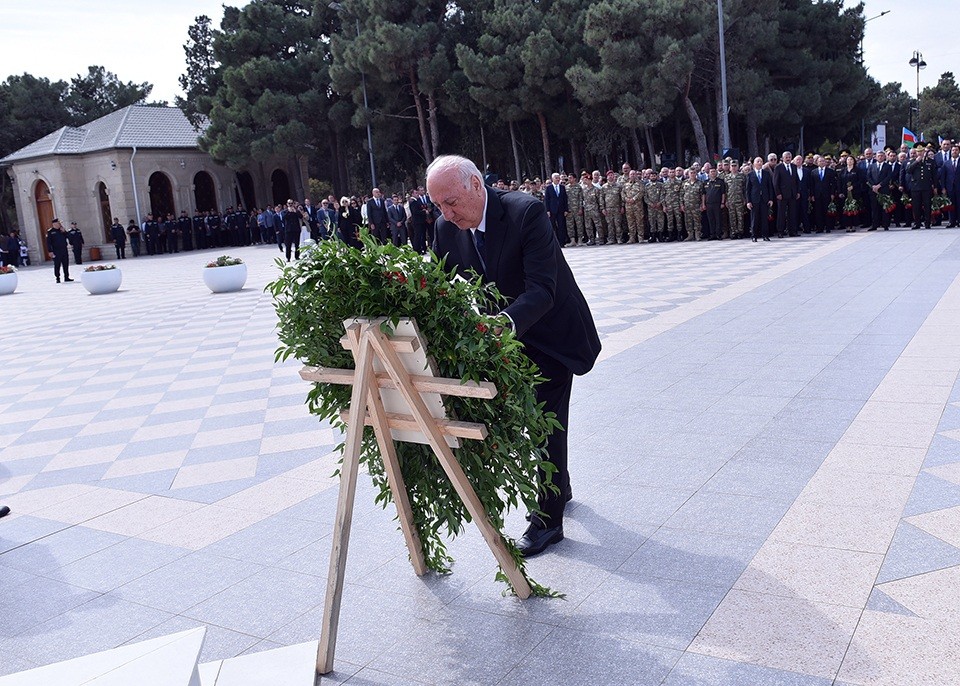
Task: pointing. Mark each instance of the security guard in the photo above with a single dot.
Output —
(714, 199)
(57, 243)
(76, 242)
(185, 227)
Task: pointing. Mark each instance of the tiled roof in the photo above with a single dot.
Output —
(138, 126)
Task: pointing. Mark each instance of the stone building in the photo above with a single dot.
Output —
(130, 162)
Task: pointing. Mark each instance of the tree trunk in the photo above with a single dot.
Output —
(753, 144)
(702, 148)
(434, 126)
(421, 118)
(635, 141)
(545, 136)
(516, 156)
(648, 134)
(574, 157)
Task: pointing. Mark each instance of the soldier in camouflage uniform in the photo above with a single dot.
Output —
(653, 197)
(612, 205)
(575, 228)
(633, 204)
(537, 190)
(735, 199)
(592, 217)
(691, 195)
(671, 204)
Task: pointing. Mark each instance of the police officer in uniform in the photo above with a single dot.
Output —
(57, 243)
(119, 237)
(714, 200)
(922, 172)
(199, 230)
(76, 242)
(151, 233)
(185, 227)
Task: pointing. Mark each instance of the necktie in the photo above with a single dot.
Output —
(821, 174)
(479, 240)
(759, 178)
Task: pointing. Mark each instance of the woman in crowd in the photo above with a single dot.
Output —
(350, 220)
(850, 186)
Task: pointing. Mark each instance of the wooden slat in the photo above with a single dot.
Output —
(402, 344)
(430, 428)
(425, 384)
(344, 516)
(448, 427)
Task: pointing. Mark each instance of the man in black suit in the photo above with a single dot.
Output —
(398, 221)
(923, 174)
(787, 189)
(805, 188)
(824, 182)
(555, 198)
(377, 216)
(878, 181)
(419, 207)
(759, 192)
(507, 237)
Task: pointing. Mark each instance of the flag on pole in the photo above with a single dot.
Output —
(909, 138)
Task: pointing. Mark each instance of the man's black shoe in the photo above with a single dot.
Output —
(536, 539)
(4, 510)
(68, 279)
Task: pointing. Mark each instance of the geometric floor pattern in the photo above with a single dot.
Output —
(164, 474)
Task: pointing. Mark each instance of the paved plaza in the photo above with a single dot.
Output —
(765, 465)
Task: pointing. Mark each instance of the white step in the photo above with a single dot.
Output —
(291, 666)
(165, 661)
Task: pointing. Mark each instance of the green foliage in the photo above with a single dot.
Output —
(225, 261)
(332, 283)
(100, 92)
(202, 78)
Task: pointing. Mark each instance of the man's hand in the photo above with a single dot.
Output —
(749, 205)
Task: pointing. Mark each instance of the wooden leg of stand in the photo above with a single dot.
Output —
(448, 461)
(391, 465)
(341, 527)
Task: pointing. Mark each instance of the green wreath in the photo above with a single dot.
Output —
(332, 282)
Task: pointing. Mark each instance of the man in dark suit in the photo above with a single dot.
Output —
(805, 188)
(948, 185)
(878, 181)
(824, 184)
(419, 207)
(787, 189)
(555, 198)
(922, 172)
(398, 221)
(507, 238)
(759, 192)
(377, 216)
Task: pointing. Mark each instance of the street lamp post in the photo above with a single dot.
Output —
(725, 128)
(337, 7)
(865, 22)
(917, 63)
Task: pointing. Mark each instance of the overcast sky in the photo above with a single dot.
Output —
(141, 40)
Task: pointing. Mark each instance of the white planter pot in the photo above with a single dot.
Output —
(225, 279)
(8, 283)
(98, 283)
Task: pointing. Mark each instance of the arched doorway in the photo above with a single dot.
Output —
(41, 194)
(106, 217)
(280, 185)
(204, 192)
(161, 195)
(245, 192)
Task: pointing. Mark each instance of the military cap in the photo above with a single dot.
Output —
(610, 171)
(828, 156)
(845, 152)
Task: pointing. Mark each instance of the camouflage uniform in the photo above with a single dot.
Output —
(653, 197)
(671, 206)
(575, 226)
(735, 203)
(612, 204)
(633, 192)
(592, 219)
(692, 195)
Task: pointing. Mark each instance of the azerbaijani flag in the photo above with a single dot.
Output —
(909, 138)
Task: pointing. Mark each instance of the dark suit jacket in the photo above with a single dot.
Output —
(759, 192)
(418, 211)
(397, 214)
(879, 173)
(524, 260)
(822, 190)
(556, 204)
(785, 182)
(376, 216)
